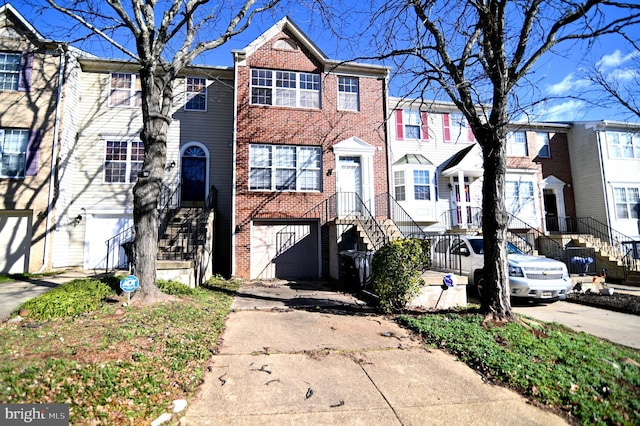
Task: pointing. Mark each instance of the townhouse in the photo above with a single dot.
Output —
(32, 102)
(296, 158)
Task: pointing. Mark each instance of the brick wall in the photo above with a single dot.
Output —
(322, 127)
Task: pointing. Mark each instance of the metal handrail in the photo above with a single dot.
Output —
(402, 220)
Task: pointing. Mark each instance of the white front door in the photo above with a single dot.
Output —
(349, 185)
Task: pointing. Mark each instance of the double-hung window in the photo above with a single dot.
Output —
(13, 152)
(284, 168)
(624, 145)
(627, 201)
(196, 93)
(9, 70)
(517, 144)
(285, 88)
(125, 90)
(542, 144)
(399, 185)
(123, 161)
(520, 198)
(421, 185)
(348, 93)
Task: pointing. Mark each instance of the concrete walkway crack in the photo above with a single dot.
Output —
(364, 370)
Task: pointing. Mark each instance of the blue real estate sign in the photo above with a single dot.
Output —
(129, 284)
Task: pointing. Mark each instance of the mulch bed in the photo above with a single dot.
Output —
(619, 302)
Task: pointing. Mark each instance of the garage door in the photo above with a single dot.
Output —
(100, 228)
(285, 250)
(15, 241)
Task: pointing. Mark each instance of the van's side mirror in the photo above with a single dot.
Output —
(464, 251)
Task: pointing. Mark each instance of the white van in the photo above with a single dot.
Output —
(530, 277)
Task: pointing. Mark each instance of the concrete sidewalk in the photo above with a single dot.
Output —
(284, 361)
(15, 293)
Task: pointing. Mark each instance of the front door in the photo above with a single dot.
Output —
(349, 185)
(193, 178)
(551, 210)
(461, 217)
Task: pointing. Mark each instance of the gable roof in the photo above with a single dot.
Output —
(468, 159)
(330, 65)
(10, 11)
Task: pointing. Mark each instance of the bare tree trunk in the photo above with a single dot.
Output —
(496, 302)
(156, 102)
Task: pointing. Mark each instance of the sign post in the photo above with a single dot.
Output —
(129, 285)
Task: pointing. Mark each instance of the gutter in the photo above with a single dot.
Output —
(53, 171)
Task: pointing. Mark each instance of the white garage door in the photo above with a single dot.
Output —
(285, 250)
(99, 229)
(15, 241)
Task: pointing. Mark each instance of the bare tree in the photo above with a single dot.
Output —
(168, 36)
(478, 53)
(615, 79)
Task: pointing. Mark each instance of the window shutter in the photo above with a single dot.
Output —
(424, 117)
(33, 149)
(399, 125)
(26, 66)
(446, 127)
(471, 135)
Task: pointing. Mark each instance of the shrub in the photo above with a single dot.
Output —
(67, 300)
(396, 271)
(174, 288)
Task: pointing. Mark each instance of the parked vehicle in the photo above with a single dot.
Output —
(530, 277)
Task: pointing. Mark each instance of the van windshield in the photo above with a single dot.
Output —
(477, 244)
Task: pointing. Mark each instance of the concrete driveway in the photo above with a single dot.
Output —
(303, 354)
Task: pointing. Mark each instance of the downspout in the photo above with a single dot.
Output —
(53, 171)
(605, 190)
(385, 111)
(233, 162)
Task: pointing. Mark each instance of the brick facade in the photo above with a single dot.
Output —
(323, 127)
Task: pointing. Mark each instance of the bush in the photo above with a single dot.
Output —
(67, 300)
(396, 272)
(174, 288)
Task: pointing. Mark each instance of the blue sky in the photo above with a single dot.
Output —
(556, 76)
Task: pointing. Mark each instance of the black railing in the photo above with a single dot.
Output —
(389, 207)
(119, 250)
(473, 214)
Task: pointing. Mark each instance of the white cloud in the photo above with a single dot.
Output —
(615, 59)
(623, 74)
(565, 111)
(568, 84)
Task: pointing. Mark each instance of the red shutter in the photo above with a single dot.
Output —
(24, 78)
(470, 130)
(424, 117)
(33, 149)
(445, 127)
(399, 125)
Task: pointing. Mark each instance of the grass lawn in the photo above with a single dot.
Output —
(588, 380)
(113, 364)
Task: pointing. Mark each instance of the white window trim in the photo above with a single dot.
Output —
(547, 143)
(274, 89)
(132, 90)
(128, 161)
(273, 169)
(189, 95)
(349, 94)
(16, 73)
(511, 142)
(25, 153)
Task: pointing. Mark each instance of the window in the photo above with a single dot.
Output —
(398, 183)
(457, 127)
(123, 161)
(348, 94)
(517, 144)
(285, 88)
(9, 71)
(125, 90)
(412, 124)
(284, 168)
(13, 152)
(520, 198)
(421, 185)
(624, 145)
(196, 92)
(542, 144)
(627, 202)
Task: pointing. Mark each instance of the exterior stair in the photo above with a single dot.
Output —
(374, 233)
(180, 236)
(607, 255)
